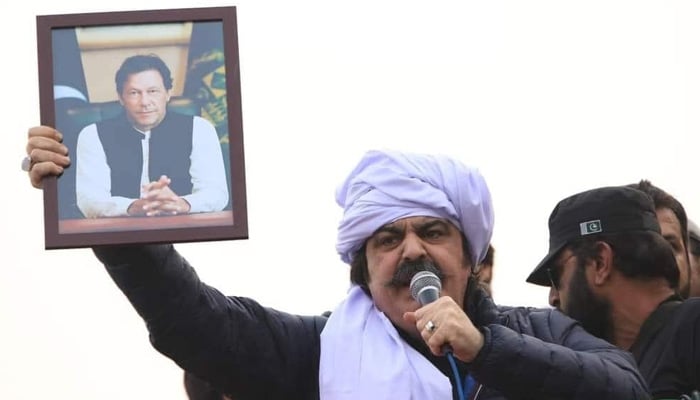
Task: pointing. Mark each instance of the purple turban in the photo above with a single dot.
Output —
(389, 185)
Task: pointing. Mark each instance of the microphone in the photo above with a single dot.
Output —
(425, 287)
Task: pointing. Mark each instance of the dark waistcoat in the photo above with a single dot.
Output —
(170, 147)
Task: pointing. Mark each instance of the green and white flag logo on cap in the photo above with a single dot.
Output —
(590, 227)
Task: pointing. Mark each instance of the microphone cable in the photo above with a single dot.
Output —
(463, 389)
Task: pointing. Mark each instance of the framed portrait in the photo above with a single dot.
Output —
(149, 106)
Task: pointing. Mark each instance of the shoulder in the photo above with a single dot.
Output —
(202, 129)
(688, 312)
(691, 305)
(529, 313)
(680, 329)
(545, 323)
(281, 320)
(88, 135)
(88, 130)
(200, 123)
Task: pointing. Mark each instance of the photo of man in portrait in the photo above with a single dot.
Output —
(149, 153)
(147, 161)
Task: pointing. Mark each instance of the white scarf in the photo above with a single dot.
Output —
(364, 358)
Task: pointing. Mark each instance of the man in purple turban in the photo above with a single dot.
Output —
(404, 215)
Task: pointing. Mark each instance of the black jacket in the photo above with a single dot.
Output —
(668, 349)
(256, 353)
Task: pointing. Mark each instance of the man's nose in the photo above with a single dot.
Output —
(145, 99)
(554, 300)
(413, 247)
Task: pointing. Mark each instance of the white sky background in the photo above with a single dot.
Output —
(547, 98)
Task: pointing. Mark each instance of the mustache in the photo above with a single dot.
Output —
(407, 269)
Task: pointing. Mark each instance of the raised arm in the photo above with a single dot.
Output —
(245, 349)
(236, 344)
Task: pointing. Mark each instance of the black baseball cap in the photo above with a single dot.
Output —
(612, 209)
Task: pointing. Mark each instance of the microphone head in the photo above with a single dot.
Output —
(422, 281)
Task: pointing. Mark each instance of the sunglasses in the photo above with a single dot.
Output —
(554, 272)
(554, 275)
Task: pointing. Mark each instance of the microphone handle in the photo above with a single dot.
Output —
(428, 295)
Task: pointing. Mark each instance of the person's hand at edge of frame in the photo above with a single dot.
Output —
(47, 156)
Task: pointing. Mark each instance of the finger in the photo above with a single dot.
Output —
(155, 211)
(410, 317)
(46, 144)
(137, 208)
(166, 195)
(162, 182)
(171, 207)
(427, 329)
(149, 189)
(151, 205)
(45, 131)
(159, 195)
(163, 195)
(41, 170)
(153, 186)
(437, 338)
(41, 156)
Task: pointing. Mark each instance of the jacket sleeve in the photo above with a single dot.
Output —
(248, 351)
(542, 354)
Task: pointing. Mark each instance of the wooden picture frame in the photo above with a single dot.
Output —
(100, 112)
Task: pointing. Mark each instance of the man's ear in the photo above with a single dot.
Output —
(603, 263)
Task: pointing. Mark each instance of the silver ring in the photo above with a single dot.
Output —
(430, 326)
(26, 164)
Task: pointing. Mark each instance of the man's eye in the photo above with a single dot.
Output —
(433, 234)
(387, 241)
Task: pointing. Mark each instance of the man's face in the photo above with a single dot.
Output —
(572, 294)
(671, 231)
(145, 98)
(427, 239)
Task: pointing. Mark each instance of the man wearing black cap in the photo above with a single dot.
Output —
(609, 267)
